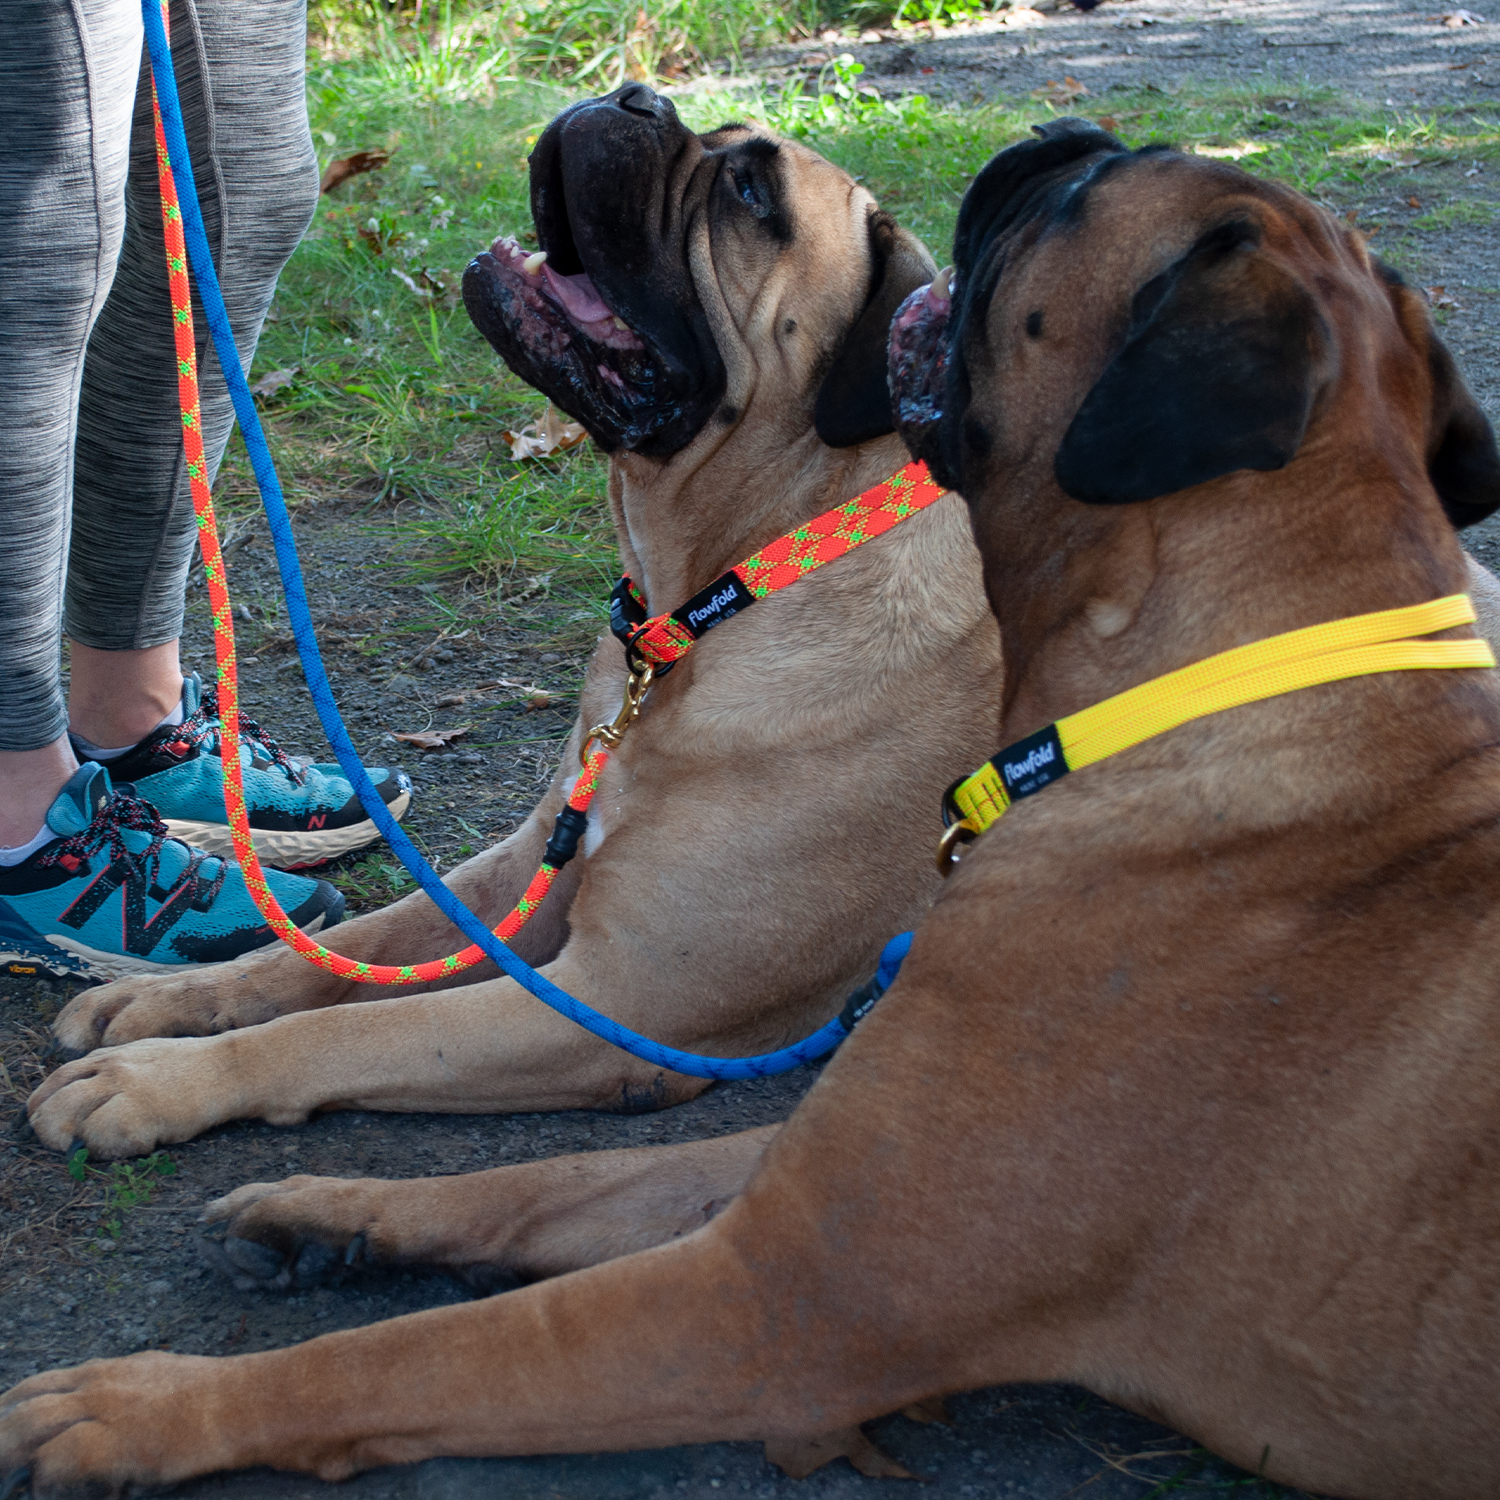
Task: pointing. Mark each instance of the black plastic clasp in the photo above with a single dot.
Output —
(566, 832)
(862, 1001)
(860, 1004)
(627, 622)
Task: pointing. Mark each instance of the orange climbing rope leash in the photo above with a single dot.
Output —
(653, 645)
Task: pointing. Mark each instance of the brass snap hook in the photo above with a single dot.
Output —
(609, 735)
(954, 836)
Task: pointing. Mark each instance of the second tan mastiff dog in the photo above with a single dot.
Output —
(1189, 1091)
(715, 309)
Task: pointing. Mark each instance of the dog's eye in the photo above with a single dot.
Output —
(749, 193)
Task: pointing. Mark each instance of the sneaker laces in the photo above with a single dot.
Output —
(202, 728)
(122, 811)
(125, 811)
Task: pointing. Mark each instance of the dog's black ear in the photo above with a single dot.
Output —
(1224, 357)
(854, 402)
(1463, 461)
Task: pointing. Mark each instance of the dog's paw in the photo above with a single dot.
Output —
(127, 1101)
(283, 1236)
(154, 1005)
(104, 1428)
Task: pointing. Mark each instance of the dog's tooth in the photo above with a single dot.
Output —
(534, 262)
(941, 282)
(622, 325)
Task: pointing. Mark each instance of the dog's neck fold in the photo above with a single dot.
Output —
(683, 522)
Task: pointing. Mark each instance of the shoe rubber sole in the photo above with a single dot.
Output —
(91, 963)
(287, 849)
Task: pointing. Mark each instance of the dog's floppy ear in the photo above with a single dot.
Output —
(854, 403)
(1463, 462)
(1225, 354)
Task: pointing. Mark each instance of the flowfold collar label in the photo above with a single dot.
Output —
(1030, 764)
(724, 598)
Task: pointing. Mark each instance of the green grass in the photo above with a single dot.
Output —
(398, 402)
(444, 50)
(1451, 215)
(126, 1184)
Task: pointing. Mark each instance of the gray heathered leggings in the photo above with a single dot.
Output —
(89, 420)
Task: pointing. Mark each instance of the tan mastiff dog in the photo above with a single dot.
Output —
(715, 309)
(1190, 1089)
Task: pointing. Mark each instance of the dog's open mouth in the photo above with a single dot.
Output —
(555, 307)
(558, 333)
(918, 361)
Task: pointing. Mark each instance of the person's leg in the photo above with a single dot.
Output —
(66, 85)
(240, 75)
(90, 883)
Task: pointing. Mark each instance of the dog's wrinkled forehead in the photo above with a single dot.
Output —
(1153, 321)
(1034, 180)
(1074, 175)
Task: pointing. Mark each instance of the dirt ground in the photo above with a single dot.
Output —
(85, 1274)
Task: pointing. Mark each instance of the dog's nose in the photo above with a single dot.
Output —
(644, 101)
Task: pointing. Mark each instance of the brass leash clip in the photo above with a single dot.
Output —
(642, 675)
(955, 835)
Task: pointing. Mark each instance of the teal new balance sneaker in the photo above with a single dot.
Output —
(113, 895)
(300, 814)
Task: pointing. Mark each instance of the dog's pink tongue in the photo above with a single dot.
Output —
(577, 294)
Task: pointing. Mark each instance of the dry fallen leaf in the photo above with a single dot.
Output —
(798, 1457)
(530, 689)
(1107, 122)
(1069, 91)
(1438, 297)
(432, 739)
(545, 439)
(346, 167)
(277, 380)
(1022, 15)
(540, 698)
(1414, 201)
(928, 1409)
(1231, 153)
(450, 700)
(1457, 18)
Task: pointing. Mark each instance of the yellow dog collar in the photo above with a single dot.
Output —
(1356, 647)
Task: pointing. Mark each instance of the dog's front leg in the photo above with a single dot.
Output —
(275, 982)
(759, 1331)
(507, 1225)
(486, 1048)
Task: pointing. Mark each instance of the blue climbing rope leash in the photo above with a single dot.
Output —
(200, 257)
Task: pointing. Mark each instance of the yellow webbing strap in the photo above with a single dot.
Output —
(1356, 647)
